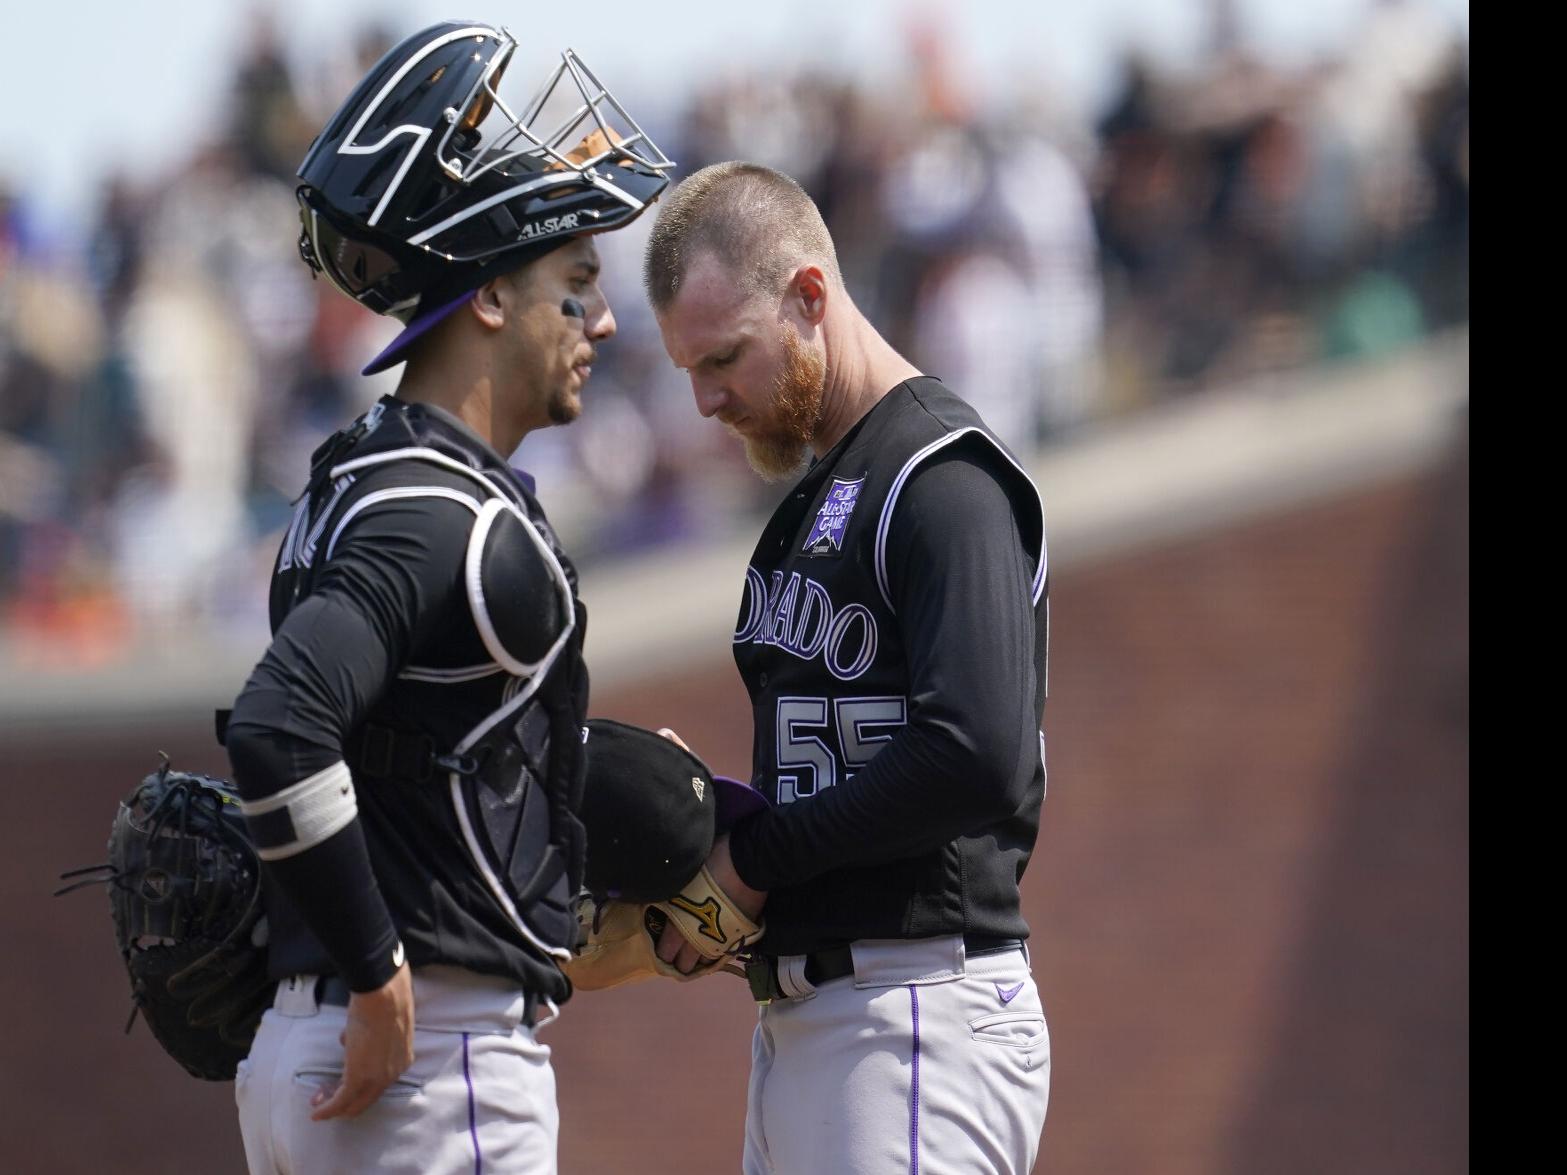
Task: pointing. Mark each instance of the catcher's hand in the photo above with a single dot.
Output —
(620, 938)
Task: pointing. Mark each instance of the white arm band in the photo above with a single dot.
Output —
(302, 815)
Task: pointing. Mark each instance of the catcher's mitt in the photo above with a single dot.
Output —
(185, 892)
(621, 937)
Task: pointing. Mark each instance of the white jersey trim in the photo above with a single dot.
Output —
(884, 525)
(450, 676)
(421, 453)
(1042, 765)
(299, 544)
(313, 539)
(397, 492)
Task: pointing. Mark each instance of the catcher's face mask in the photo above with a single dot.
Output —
(573, 127)
(434, 176)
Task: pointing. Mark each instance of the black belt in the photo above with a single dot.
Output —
(838, 963)
(333, 989)
(330, 989)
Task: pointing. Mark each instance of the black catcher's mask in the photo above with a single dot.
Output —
(428, 181)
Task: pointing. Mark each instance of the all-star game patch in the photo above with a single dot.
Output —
(832, 519)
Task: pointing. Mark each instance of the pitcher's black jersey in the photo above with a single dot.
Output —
(893, 638)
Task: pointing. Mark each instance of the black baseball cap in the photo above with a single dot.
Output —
(652, 810)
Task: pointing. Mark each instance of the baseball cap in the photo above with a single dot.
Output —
(652, 810)
(397, 350)
(443, 302)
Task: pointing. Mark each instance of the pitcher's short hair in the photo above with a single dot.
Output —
(757, 222)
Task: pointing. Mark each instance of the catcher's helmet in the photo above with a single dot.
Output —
(427, 182)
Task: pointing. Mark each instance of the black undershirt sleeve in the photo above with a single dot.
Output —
(394, 576)
(960, 582)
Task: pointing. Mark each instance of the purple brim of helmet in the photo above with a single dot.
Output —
(397, 350)
(734, 801)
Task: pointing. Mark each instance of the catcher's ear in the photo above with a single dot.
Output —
(492, 301)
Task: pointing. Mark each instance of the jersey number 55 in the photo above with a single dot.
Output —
(806, 763)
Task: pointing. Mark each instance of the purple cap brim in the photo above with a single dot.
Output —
(397, 350)
(733, 801)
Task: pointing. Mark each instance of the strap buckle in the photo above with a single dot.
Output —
(762, 975)
(387, 753)
(466, 764)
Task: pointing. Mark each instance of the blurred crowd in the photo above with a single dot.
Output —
(164, 377)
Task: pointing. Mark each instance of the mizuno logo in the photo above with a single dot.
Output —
(707, 914)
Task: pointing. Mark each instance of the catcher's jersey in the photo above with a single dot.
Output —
(465, 753)
(897, 734)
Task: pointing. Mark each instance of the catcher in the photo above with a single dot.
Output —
(408, 750)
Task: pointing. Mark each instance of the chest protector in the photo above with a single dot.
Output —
(469, 774)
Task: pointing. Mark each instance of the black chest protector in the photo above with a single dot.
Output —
(469, 769)
(821, 651)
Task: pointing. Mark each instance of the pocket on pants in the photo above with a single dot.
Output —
(1021, 1030)
(319, 1078)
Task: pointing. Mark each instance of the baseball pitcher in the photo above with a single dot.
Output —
(892, 637)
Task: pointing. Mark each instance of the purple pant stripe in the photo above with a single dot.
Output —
(473, 1116)
(914, 1093)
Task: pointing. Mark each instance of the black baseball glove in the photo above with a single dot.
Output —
(185, 892)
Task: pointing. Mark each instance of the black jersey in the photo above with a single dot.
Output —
(455, 700)
(893, 637)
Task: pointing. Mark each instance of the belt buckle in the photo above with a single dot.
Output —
(762, 974)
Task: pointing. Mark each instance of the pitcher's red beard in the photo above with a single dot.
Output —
(776, 449)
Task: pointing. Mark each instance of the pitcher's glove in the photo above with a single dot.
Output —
(620, 939)
(185, 893)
